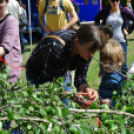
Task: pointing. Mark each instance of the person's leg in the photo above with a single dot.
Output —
(71, 73)
(22, 43)
(124, 67)
(67, 88)
(24, 39)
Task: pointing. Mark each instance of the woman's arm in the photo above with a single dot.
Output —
(98, 17)
(81, 83)
(81, 73)
(102, 15)
(130, 16)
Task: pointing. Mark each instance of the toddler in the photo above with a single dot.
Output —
(112, 57)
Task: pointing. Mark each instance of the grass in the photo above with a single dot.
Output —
(92, 77)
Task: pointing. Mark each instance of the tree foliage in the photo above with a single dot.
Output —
(41, 111)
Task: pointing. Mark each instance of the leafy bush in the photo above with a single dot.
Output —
(41, 111)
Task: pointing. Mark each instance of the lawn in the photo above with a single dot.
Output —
(92, 76)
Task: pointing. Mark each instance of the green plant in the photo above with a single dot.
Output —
(41, 111)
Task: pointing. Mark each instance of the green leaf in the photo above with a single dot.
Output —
(58, 111)
(43, 127)
(42, 111)
(10, 115)
(49, 110)
(74, 130)
(105, 106)
(65, 112)
(29, 126)
(84, 130)
(93, 106)
(31, 108)
(48, 117)
(16, 116)
(34, 95)
(123, 130)
(130, 76)
(55, 122)
(114, 127)
(37, 131)
(0, 125)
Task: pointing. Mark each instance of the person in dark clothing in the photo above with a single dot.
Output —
(53, 57)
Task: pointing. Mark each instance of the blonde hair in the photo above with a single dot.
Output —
(112, 51)
(128, 2)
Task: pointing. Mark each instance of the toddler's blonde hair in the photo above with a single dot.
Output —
(112, 51)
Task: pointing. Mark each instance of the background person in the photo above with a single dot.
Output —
(56, 59)
(9, 41)
(117, 16)
(55, 16)
(36, 16)
(14, 8)
(9, 45)
(22, 28)
(129, 7)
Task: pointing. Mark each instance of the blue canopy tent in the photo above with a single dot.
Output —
(33, 7)
(88, 8)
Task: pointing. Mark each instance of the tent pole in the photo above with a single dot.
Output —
(30, 30)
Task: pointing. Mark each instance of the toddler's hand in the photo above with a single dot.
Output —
(125, 31)
(99, 74)
(106, 101)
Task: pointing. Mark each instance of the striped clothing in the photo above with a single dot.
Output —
(110, 82)
(49, 60)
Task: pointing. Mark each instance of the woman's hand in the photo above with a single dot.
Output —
(90, 93)
(125, 31)
(106, 101)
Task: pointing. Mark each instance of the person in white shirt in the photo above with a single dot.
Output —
(14, 9)
(131, 68)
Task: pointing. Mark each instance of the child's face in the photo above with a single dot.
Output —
(3, 5)
(105, 37)
(111, 66)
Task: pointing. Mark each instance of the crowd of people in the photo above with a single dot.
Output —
(63, 50)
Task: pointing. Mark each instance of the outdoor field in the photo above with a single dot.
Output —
(92, 78)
